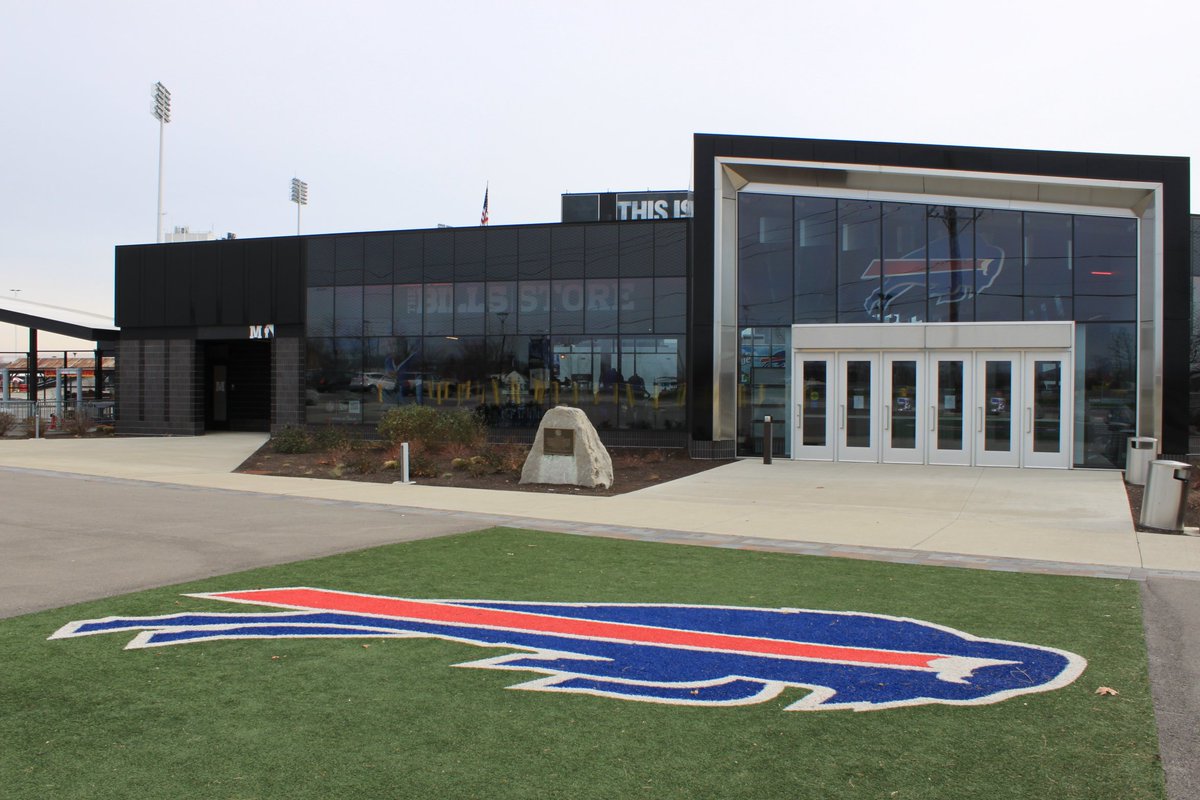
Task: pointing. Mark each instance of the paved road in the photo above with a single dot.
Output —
(66, 539)
(1172, 614)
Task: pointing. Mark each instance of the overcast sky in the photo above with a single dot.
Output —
(398, 114)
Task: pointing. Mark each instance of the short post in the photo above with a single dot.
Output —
(768, 440)
(404, 463)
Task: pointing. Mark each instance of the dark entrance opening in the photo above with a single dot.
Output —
(237, 386)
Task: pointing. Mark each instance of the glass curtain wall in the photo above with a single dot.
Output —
(821, 260)
(505, 322)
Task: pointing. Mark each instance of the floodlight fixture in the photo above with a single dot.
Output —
(300, 198)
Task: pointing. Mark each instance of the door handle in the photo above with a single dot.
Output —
(1028, 420)
(841, 417)
(799, 415)
(887, 417)
(979, 419)
(933, 418)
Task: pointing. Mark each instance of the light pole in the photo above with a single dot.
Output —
(162, 112)
(300, 198)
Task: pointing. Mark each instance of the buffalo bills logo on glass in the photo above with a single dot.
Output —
(952, 276)
(681, 654)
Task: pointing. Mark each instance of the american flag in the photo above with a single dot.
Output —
(483, 218)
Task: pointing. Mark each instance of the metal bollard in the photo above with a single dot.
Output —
(768, 440)
(404, 463)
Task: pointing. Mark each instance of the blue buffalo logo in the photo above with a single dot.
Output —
(681, 654)
(945, 277)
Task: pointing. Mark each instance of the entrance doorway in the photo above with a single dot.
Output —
(237, 385)
(1002, 408)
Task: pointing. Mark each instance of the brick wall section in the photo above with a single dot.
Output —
(129, 386)
(172, 401)
(185, 389)
(287, 364)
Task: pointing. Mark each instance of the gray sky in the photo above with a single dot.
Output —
(397, 114)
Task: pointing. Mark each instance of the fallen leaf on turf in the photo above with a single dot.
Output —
(1106, 690)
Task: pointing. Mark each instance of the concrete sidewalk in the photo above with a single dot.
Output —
(1057, 517)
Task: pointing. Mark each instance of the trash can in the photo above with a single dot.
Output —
(1165, 499)
(1138, 455)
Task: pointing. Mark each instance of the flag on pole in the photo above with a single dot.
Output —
(483, 218)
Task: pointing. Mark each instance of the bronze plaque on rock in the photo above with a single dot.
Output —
(558, 442)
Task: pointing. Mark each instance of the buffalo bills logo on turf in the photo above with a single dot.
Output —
(698, 655)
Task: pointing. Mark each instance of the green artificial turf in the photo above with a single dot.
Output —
(376, 718)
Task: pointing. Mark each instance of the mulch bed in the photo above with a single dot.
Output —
(633, 469)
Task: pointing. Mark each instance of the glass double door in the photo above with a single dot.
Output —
(983, 408)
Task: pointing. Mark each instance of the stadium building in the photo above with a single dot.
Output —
(880, 302)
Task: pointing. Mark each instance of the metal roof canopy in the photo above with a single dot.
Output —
(65, 322)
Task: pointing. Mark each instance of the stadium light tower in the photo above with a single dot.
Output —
(300, 198)
(162, 112)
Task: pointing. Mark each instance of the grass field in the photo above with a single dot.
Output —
(390, 718)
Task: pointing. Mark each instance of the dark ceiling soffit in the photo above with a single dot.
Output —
(59, 327)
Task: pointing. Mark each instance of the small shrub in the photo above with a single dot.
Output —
(506, 459)
(77, 424)
(435, 428)
(330, 438)
(292, 440)
(420, 463)
(408, 423)
(363, 461)
(7, 422)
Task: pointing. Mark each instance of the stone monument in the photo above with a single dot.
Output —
(568, 450)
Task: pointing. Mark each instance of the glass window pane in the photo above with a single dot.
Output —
(998, 259)
(1047, 406)
(816, 400)
(903, 404)
(377, 259)
(501, 307)
(567, 249)
(637, 305)
(670, 249)
(439, 308)
(320, 311)
(764, 387)
(406, 308)
(533, 307)
(859, 267)
(858, 403)
(501, 254)
(949, 399)
(815, 238)
(764, 259)
(637, 250)
(903, 294)
(1105, 268)
(953, 269)
(600, 255)
(468, 255)
(1105, 392)
(997, 409)
(438, 256)
(348, 260)
(469, 308)
(320, 262)
(408, 257)
(348, 311)
(377, 310)
(534, 253)
(567, 306)
(1048, 264)
(670, 305)
(601, 306)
